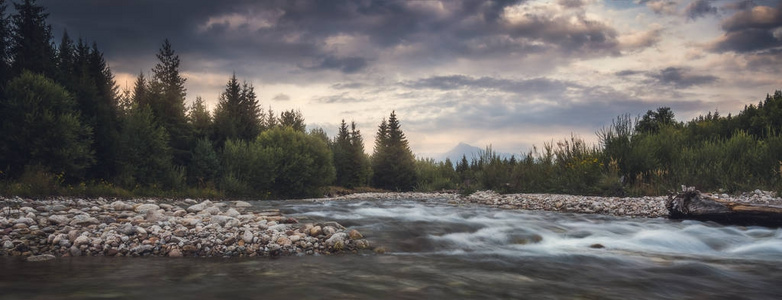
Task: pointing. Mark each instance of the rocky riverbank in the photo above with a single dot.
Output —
(651, 207)
(44, 229)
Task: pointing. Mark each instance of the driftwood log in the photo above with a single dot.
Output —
(692, 204)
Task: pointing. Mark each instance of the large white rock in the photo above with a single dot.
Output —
(144, 208)
(120, 206)
(200, 206)
(247, 236)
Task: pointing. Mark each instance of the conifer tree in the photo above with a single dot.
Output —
(167, 100)
(41, 125)
(393, 162)
(358, 158)
(200, 119)
(31, 38)
(341, 153)
(293, 119)
(238, 115)
(5, 39)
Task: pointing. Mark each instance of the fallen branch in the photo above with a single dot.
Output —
(692, 204)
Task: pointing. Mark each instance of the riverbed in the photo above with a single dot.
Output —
(437, 250)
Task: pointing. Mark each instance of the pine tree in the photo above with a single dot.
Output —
(358, 158)
(5, 56)
(199, 118)
(393, 162)
(167, 99)
(238, 115)
(31, 37)
(141, 91)
(341, 153)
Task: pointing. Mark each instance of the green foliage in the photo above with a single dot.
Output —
(204, 165)
(350, 161)
(281, 162)
(144, 152)
(393, 163)
(42, 126)
(238, 115)
(292, 119)
(435, 176)
(165, 95)
(303, 164)
(248, 168)
(200, 119)
(31, 47)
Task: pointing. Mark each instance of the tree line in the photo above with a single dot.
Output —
(67, 128)
(652, 154)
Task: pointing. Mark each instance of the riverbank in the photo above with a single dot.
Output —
(44, 229)
(647, 206)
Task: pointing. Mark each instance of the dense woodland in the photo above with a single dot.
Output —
(67, 129)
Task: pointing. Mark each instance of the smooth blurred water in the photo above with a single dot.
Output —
(439, 251)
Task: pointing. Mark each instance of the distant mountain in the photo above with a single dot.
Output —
(463, 149)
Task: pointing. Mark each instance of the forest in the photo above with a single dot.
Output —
(67, 129)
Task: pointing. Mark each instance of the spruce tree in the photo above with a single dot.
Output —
(5, 56)
(167, 99)
(199, 118)
(341, 153)
(238, 115)
(31, 37)
(393, 162)
(358, 158)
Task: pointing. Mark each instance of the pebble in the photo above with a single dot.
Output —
(46, 229)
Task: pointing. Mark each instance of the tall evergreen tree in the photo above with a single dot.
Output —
(66, 62)
(238, 115)
(393, 162)
(31, 39)
(358, 157)
(341, 153)
(200, 119)
(5, 40)
(167, 91)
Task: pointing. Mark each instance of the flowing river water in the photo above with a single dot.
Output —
(439, 251)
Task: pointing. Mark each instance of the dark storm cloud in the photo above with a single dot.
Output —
(681, 77)
(751, 30)
(244, 35)
(624, 73)
(346, 64)
(700, 8)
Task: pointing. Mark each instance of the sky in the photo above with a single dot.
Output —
(505, 73)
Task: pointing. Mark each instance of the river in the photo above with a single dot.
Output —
(439, 251)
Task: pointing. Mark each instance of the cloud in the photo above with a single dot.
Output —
(700, 8)
(667, 7)
(343, 64)
(751, 30)
(281, 97)
(681, 77)
(642, 39)
(338, 98)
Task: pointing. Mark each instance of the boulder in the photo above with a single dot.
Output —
(144, 208)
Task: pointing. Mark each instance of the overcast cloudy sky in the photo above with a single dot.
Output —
(502, 72)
